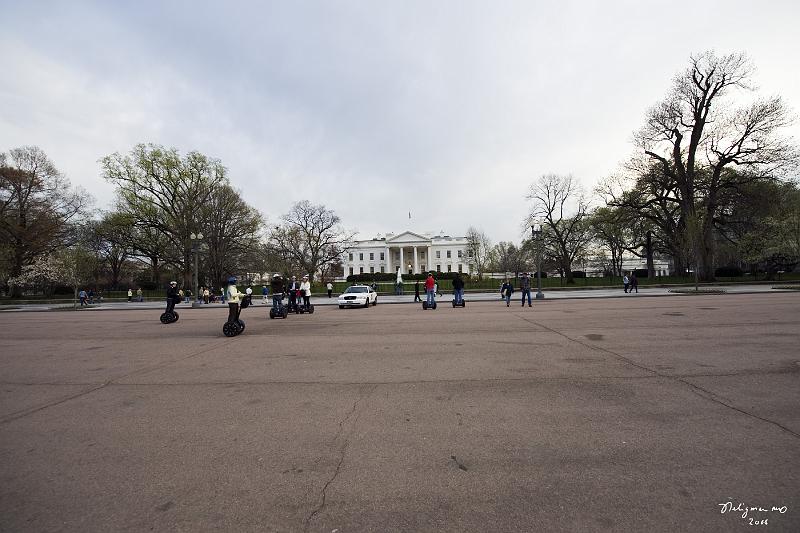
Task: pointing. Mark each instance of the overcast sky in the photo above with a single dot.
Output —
(447, 110)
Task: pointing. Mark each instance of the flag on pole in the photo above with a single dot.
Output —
(409, 215)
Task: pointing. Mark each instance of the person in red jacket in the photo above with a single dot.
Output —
(430, 283)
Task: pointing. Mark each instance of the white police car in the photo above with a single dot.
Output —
(358, 296)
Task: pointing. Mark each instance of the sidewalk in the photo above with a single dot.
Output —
(446, 298)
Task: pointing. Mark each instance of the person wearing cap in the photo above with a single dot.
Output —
(172, 296)
(294, 286)
(305, 290)
(277, 287)
(233, 296)
(264, 294)
(525, 288)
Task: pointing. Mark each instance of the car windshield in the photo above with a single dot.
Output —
(356, 289)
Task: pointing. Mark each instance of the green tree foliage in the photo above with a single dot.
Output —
(38, 209)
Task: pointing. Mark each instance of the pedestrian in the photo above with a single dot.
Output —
(91, 296)
(264, 294)
(634, 283)
(139, 294)
(330, 289)
(458, 289)
(82, 296)
(222, 295)
(430, 290)
(277, 292)
(249, 295)
(305, 290)
(130, 295)
(181, 295)
(206, 295)
(525, 288)
(626, 281)
(416, 292)
(506, 290)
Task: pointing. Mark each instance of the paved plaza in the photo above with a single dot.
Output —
(599, 414)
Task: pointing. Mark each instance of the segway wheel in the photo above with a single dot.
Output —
(285, 313)
(241, 326)
(175, 317)
(230, 329)
(301, 310)
(165, 318)
(311, 308)
(454, 303)
(425, 306)
(463, 303)
(434, 305)
(272, 313)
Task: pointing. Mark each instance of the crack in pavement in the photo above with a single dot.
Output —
(31, 410)
(342, 453)
(696, 389)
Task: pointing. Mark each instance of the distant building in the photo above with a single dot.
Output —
(409, 252)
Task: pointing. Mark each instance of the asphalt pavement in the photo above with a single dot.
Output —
(629, 413)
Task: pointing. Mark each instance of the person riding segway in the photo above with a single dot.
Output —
(430, 293)
(169, 316)
(233, 326)
(458, 292)
(278, 310)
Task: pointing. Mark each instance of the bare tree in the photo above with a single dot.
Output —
(696, 134)
(311, 237)
(479, 250)
(559, 202)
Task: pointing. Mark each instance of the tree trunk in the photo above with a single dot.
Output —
(651, 269)
(705, 253)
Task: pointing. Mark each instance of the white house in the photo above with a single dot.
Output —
(410, 252)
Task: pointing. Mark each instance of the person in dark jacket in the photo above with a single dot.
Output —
(458, 289)
(634, 283)
(506, 291)
(416, 292)
(277, 288)
(525, 287)
(172, 296)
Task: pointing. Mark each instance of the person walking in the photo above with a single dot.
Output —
(506, 291)
(430, 290)
(91, 296)
(458, 289)
(139, 294)
(206, 295)
(634, 283)
(264, 294)
(416, 292)
(305, 290)
(249, 296)
(82, 296)
(626, 281)
(330, 289)
(130, 295)
(525, 287)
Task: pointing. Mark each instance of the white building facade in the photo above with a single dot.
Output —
(410, 253)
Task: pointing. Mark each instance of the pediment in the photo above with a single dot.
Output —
(407, 236)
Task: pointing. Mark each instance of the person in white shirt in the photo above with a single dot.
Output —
(305, 290)
(330, 289)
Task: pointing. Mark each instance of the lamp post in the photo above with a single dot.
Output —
(196, 238)
(536, 234)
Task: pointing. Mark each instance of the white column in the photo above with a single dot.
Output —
(416, 262)
(388, 260)
(431, 266)
(402, 264)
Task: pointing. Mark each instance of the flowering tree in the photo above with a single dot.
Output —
(71, 267)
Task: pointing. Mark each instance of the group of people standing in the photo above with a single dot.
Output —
(630, 282)
(294, 289)
(507, 289)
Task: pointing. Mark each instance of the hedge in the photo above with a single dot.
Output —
(729, 272)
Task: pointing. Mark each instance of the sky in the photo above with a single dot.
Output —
(444, 110)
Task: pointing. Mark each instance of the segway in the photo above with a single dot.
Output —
(169, 317)
(425, 305)
(462, 304)
(282, 311)
(234, 327)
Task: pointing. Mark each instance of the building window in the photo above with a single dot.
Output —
(460, 268)
(383, 269)
(350, 256)
(459, 254)
(469, 253)
(438, 254)
(371, 256)
(351, 271)
(382, 259)
(448, 254)
(438, 268)
(422, 268)
(360, 270)
(361, 257)
(449, 268)
(371, 270)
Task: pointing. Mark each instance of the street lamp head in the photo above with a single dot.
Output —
(536, 229)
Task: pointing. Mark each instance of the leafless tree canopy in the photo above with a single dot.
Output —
(479, 248)
(311, 237)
